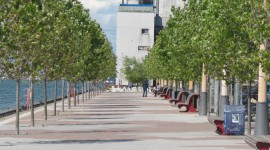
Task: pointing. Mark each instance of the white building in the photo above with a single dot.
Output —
(138, 21)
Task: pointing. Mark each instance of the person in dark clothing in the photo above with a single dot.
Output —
(145, 87)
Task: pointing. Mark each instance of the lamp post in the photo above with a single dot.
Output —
(262, 120)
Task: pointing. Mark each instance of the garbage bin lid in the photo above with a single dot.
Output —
(234, 108)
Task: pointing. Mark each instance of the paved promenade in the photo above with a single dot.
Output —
(117, 121)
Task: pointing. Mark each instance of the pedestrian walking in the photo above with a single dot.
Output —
(145, 87)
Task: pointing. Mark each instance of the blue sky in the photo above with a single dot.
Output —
(104, 12)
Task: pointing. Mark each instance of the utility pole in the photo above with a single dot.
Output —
(224, 98)
(203, 96)
(262, 120)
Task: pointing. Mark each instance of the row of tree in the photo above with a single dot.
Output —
(223, 35)
(219, 38)
(52, 40)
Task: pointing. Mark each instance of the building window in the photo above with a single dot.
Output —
(145, 31)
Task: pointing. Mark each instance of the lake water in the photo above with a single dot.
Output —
(8, 92)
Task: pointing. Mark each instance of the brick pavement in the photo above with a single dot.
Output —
(117, 121)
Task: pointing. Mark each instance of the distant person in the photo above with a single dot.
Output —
(145, 87)
(157, 88)
(131, 86)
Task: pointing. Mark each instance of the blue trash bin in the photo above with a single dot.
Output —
(234, 119)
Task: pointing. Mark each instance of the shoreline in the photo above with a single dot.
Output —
(23, 107)
(12, 111)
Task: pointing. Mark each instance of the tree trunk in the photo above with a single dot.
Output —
(75, 100)
(78, 92)
(45, 99)
(32, 103)
(63, 95)
(95, 89)
(176, 85)
(55, 97)
(17, 106)
(98, 89)
(100, 86)
(90, 87)
(87, 94)
(86, 91)
(83, 91)
(211, 95)
(249, 109)
(216, 96)
(68, 94)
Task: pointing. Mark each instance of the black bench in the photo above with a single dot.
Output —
(190, 103)
(261, 142)
(180, 97)
(168, 94)
(218, 122)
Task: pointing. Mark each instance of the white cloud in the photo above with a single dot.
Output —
(107, 18)
(104, 12)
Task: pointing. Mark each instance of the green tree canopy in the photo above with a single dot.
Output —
(219, 34)
(134, 70)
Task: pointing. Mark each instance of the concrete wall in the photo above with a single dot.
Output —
(129, 26)
(165, 8)
(129, 37)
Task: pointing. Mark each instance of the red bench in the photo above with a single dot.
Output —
(190, 103)
(168, 94)
(180, 97)
(162, 90)
(261, 142)
(218, 122)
